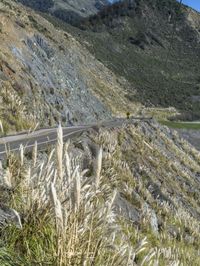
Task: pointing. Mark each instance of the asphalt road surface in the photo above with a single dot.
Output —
(45, 137)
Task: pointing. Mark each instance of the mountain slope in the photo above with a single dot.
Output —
(154, 45)
(50, 74)
(119, 196)
(67, 10)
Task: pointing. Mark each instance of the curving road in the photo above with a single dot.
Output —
(43, 137)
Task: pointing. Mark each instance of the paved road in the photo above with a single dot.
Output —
(43, 137)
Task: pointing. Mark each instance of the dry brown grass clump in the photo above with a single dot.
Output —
(125, 199)
(68, 216)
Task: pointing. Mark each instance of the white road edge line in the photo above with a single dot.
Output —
(40, 133)
(46, 142)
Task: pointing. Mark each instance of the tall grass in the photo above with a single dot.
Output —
(67, 215)
(73, 215)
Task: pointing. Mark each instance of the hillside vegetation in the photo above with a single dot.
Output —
(121, 197)
(116, 196)
(153, 44)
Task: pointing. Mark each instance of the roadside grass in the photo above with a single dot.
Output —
(181, 125)
(67, 202)
(67, 212)
(13, 114)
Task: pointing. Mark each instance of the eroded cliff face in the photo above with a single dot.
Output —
(50, 74)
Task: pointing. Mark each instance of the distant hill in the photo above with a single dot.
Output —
(70, 11)
(155, 45)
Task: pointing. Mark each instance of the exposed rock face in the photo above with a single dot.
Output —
(8, 216)
(59, 81)
(50, 74)
(126, 210)
(150, 213)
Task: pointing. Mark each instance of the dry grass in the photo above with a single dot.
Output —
(13, 114)
(69, 214)
(68, 217)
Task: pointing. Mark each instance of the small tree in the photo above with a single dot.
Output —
(128, 115)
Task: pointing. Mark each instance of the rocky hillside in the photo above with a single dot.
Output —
(70, 11)
(118, 196)
(47, 76)
(154, 44)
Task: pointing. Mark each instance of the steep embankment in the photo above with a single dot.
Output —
(125, 196)
(47, 76)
